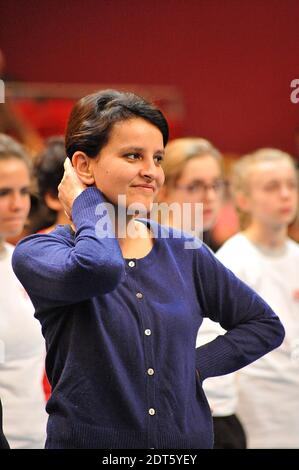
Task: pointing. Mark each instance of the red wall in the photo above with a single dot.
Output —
(233, 60)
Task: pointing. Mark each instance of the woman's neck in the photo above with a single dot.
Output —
(137, 241)
(268, 237)
(62, 219)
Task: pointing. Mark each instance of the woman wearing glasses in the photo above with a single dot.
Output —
(194, 175)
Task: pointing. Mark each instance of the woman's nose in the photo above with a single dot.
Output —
(148, 170)
(17, 201)
(285, 191)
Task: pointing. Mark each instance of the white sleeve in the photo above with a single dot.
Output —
(221, 391)
(229, 255)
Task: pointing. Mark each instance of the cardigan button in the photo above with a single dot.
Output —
(131, 264)
(150, 371)
(152, 411)
(147, 332)
(139, 295)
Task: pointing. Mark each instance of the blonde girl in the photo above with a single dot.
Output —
(266, 192)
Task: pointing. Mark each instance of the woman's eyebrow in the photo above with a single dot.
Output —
(138, 149)
(131, 148)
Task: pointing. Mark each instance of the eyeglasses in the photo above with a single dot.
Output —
(201, 188)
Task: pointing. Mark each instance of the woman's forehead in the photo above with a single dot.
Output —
(271, 169)
(9, 166)
(203, 167)
(135, 131)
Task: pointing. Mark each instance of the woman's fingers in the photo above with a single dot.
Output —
(68, 165)
(70, 187)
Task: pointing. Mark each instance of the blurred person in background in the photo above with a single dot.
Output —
(293, 229)
(49, 171)
(22, 364)
(194, 174)
(227, 221)
(265, 188)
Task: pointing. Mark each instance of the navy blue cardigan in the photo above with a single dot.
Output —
(120, 334)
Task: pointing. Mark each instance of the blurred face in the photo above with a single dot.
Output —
(272, 193)
(14, 196)
(130, 163)
(200, 182)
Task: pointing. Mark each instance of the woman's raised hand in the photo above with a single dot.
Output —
(69, 188)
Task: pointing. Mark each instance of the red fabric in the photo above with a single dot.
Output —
(48, 116)
(47, 387)
(46, 384)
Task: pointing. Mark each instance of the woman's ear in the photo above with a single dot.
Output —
(81, 163)
(52, 202)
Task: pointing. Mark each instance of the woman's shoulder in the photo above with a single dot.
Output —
(6, 251)
(8, 247)
(293, 246)
(237, 246)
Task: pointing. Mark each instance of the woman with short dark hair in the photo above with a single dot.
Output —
(120, 298)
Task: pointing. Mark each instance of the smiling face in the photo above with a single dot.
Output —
(14, 196)
(272, 193)
(130, 163)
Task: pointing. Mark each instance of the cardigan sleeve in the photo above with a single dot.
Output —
(252, 328)
(66, 270)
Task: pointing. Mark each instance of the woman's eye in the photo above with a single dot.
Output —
(159, 158)
(132, 156)
(292, 185)
(272, 187)
(25, 191)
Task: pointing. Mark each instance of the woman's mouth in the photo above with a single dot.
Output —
(145, 187)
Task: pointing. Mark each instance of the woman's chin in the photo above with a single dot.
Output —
(208, 223)
(141, 205)
(13, 231)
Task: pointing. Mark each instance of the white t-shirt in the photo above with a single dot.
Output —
(268, 389)
(22, 355)
(221, 391)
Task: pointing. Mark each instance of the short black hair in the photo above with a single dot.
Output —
(92, 118)
(49, 166)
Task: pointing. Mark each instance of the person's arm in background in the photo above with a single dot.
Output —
(220, 391)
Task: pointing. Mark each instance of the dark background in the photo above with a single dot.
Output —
(232, 60)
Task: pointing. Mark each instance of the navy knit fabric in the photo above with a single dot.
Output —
(121, 334)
